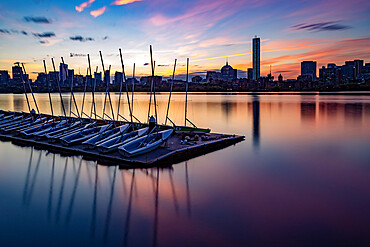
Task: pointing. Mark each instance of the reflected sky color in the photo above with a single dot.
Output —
(207, 31)
(301, 178)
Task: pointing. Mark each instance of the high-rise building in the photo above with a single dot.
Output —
(358, 67)
(256, 57)
(118, 78)
(308, 68)
(97, 76)
(17, 73)
(250, 74)
(63, 72)
(106, 77)
(4, 77)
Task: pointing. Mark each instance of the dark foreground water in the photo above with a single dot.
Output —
(301, 178)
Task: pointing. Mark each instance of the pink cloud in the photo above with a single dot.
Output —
(124, 2)
(98, 12)
(84, 5)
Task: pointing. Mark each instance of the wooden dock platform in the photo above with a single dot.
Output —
(173, 151)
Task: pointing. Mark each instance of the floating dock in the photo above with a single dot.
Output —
(174, 150)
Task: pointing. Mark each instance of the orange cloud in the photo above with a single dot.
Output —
(98, 12)
(84, 5)
(124, 2)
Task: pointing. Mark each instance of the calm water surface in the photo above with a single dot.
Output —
(301, 178)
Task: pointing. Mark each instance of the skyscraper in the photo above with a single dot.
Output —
(63, 70)
(17, 73)
(256, 58)
(308, 68)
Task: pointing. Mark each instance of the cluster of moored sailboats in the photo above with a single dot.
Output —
(129, 138)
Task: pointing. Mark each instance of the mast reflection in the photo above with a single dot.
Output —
(72, 181)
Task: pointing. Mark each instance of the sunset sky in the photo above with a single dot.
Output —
(206, 31)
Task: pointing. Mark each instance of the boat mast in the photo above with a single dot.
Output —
(29, 85)
(169, 97)
(83, 98)
(152, 88)
(72, 94)
(92, 89)
(133, 89)
(25, 91)
(128, 98)
(186, 89)
(60, 92)
(47, 81)
(106, 91)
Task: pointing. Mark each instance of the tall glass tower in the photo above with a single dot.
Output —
(256, 58)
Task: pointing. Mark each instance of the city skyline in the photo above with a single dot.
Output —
(209, 32)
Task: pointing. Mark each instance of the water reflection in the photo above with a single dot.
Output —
(309, 179)
(256, 121)
(59, 180)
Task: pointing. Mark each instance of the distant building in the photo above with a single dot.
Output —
(53, 78)
(280, 78)
(256, 57)
(71, 74)
(4, 77)
(250, 74)
(107, 77)
(213, 76)
(228, 73)
(131, 81)
(42, 79)
(196, 79)
(308, 68)
(17, 73)
(147, 80)
(63, 70)
(118, 78)
(97, 76)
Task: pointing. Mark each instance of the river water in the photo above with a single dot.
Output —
(300, 178)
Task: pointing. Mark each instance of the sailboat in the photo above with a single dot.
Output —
(145, 144)
(110, 133)
(83, 135)
(111, 144)
(48, 126)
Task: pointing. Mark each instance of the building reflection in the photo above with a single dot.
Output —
(256, 121)
(308, 112)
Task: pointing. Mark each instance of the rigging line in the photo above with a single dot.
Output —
(60, 92)
(47, 81)
(92, 87)
(133, 89)
(72, 94)
(83, 98)
(186, 89)
(29, 85)
(25, 91)
(106, 87)
(169, 96)
(124, 74)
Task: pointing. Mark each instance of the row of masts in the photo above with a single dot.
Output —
(93, 112)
